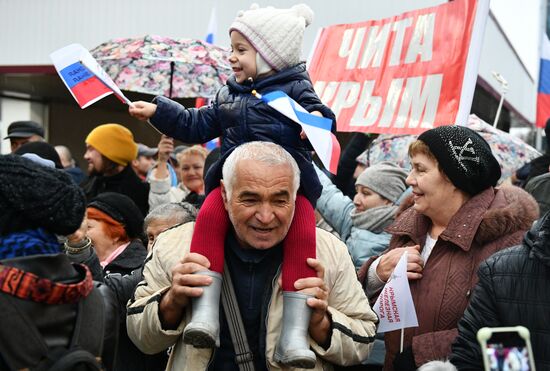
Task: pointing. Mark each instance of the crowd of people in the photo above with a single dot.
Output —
(180, 258)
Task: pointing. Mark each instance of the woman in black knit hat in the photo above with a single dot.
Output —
(459, 218)
(115, 227)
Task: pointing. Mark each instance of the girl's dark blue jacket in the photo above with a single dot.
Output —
(238, 117)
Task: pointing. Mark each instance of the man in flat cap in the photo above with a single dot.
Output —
(145, 161)
(21, 132)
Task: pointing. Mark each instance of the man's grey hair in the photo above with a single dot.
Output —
(65, 155)
(438, 366)
(265, 152)
(179, 212)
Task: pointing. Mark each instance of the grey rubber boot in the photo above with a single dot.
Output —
(204, 329)
(293, 347)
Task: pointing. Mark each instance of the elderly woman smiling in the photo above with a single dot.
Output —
(458, 219)
(191, 172)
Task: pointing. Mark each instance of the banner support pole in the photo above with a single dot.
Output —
(402, 336)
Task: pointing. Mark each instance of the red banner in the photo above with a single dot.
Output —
(401, 75)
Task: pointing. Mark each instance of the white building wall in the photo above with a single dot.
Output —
(498, 56)
(17, 110)
(31, 29)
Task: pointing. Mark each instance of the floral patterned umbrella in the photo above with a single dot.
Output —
(511, 152)
(176, 68)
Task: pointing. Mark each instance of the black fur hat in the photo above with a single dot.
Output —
(35, 196)
(122, 209)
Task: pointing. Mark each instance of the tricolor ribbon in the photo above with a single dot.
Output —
(317, 129)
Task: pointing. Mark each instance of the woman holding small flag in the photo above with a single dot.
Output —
(458, 219)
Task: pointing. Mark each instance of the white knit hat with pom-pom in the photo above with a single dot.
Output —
(276, 34)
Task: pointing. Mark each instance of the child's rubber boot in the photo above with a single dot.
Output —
(293, 347)
(204, 329)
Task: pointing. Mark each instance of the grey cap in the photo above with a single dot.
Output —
(24, 129)
(385, 178)
(143, 150)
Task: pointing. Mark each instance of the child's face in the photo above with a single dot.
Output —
(367, 199)
(243, 57)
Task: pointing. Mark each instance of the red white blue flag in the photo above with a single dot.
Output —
(543, 94)
(317, 129)
(83, 76)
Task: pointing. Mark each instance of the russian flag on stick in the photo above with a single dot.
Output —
(83, 76)
(543, 95)
(317, 129)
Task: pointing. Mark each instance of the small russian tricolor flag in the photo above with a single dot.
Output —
(83, 76)
(543, 95)
(85, 87)
(317, 129)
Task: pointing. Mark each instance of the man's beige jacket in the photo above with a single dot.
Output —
(354, 323)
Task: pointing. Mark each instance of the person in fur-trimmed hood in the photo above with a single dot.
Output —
(458, 219)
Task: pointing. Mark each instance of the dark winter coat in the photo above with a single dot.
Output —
(490, 221)
(122, 275)
(343, 179)
(123, 280)
(239, 117)
(539, 188)
(56, 322)
(538, 166)
(130, 259)
(513, 289)
(125, 182)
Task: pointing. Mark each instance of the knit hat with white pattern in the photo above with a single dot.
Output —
(464, 156)
(276, 34)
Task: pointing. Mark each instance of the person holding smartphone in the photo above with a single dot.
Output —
(513, 289)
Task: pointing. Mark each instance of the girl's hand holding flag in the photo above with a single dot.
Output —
(142, 110)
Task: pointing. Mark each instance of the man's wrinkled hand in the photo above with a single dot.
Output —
(185, 285)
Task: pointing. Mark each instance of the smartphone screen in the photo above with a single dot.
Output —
(507, 351)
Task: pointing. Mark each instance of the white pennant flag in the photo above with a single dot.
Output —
(395, 307)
